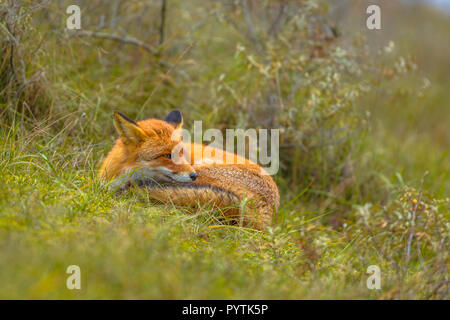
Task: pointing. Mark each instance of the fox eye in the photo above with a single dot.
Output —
(167, 155)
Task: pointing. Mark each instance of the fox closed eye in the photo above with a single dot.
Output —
(167, 155)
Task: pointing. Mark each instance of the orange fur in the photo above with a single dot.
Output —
(240, 188)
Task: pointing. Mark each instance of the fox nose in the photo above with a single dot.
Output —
(193, 176)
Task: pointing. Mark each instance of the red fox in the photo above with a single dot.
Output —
(143, 155)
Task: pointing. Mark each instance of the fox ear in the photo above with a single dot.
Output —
(129, 131)
(174, 118)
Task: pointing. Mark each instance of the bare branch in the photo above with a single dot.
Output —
(123, 39)
(252, 33)
(278, 21)
(115, 9)
(163, 21)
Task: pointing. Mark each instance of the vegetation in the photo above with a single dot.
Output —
(364, 149)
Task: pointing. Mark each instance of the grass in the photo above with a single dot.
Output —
(54, 215)
(380, 198)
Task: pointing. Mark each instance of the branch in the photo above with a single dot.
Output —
(115, 9)
(277, 22)
(123, 39)
(163, 22)
(252, 33)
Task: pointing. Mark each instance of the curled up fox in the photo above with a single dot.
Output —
(148, 154)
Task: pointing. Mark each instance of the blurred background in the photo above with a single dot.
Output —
(364, 118)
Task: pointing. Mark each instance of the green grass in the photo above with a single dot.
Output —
(54, 215)
(344, 206)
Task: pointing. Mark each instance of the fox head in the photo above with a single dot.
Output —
(148, 150)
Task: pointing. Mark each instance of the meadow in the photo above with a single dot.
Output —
(364, 148)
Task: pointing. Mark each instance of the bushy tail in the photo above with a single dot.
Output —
(192, 194)
(231, 205)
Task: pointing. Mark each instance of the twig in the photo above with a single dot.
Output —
(239, 30)
(123, 39)
(251, 29)
(413, 222)
(277, 22)
(115, 9)
(379, 249)
(163, 21)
